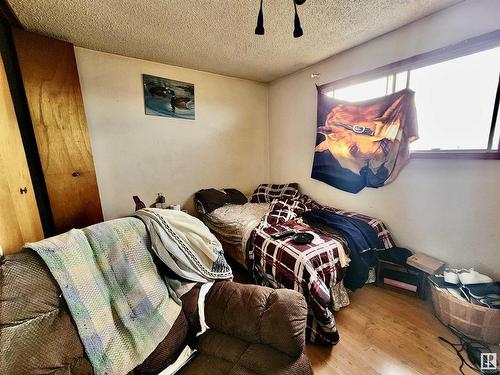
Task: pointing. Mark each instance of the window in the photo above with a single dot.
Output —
(456, 100)
(362, 91)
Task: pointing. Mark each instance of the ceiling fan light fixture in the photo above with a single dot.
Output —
(259, 29)
(297, 29)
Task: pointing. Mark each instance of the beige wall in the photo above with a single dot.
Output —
(135, 154)
(446, 208)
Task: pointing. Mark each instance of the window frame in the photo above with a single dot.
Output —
(464, 48)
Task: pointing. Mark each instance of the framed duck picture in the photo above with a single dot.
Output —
(168, 98)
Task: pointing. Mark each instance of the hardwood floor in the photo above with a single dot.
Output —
(385, 332)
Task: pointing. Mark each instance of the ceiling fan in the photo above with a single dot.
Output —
(297, 30)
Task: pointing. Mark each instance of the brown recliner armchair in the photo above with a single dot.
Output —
(253, 330)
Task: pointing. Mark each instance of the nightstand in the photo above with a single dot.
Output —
(402, 278)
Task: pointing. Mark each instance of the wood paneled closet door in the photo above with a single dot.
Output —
(50, 78)
(19, 218)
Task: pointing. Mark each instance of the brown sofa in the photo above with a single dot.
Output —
(254, 330)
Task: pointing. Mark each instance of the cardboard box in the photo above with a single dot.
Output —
(425, 263)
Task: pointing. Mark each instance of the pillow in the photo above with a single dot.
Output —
(266, 193)
(208, 200)
(200, 208)
(236, 196)
(211, 199)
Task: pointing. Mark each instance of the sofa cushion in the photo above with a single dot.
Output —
(38, 335)
(258, 314)
(262, 359)
(224, 354)
(207, 365)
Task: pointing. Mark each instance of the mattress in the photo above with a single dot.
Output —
(233, 223)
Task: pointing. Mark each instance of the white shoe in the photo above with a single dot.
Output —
(473, 277)
(451, 276)
(456, 293)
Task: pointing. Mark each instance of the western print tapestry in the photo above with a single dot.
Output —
(363, 143)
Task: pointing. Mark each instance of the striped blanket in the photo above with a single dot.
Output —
(185, 245)
(313, 269)
(120, 305)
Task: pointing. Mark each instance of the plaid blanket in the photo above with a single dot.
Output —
(120, 305)
(265, 193)
(312, 269)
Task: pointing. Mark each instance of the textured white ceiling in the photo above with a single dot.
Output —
(218, 35)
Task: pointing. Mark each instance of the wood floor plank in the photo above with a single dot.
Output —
(385, 332)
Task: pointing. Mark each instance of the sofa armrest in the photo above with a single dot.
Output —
(258, 315)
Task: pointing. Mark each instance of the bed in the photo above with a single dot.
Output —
(233, 224)
(316, 270)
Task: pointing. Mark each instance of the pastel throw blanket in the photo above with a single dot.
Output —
(121, 306)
